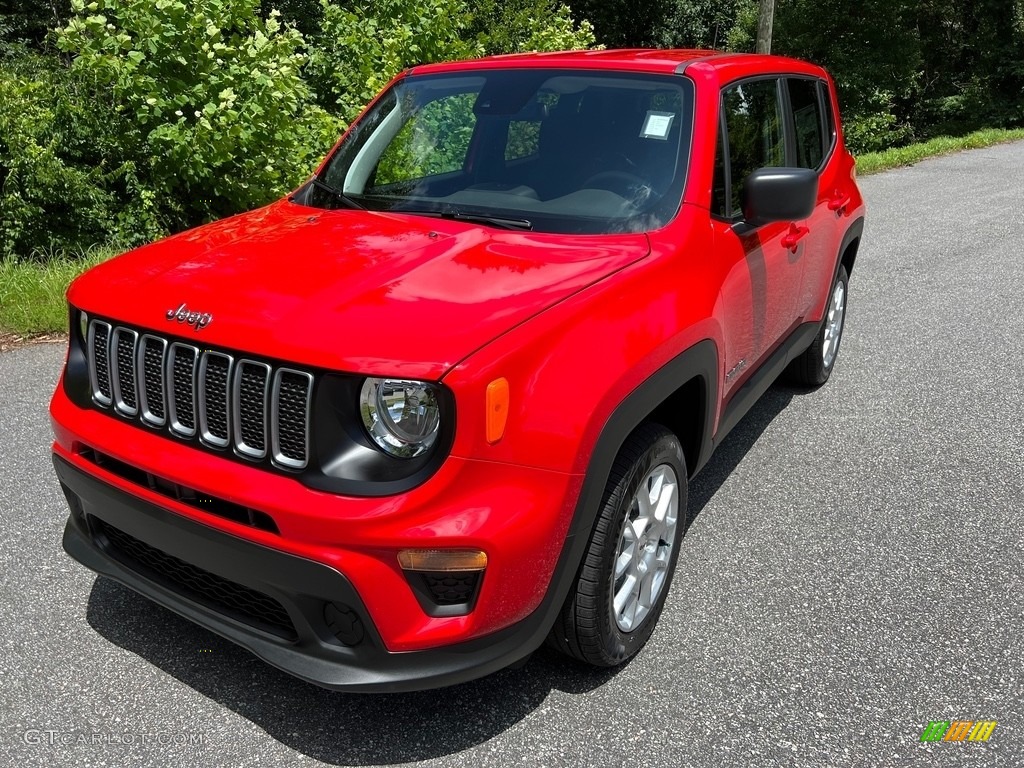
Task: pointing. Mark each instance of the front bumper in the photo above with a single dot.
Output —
(115, 533)
(518, 515)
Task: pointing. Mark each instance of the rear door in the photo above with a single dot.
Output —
(814, 140)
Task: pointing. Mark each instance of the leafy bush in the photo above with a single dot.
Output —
(363, 46)
(220, 119)
(512, 26)
(56, 185)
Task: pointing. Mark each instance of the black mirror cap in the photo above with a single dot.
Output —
(779, 194)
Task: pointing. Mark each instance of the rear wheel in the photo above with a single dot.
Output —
(621, 586)
(814, 366)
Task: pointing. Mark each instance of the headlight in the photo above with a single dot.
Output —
(400, 415)
(83, 326)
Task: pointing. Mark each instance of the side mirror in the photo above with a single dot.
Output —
(779, 194)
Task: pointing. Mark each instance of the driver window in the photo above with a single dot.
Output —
(753, 118)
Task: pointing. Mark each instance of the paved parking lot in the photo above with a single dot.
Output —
(856, 568)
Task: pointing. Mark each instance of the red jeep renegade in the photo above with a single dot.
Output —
(442, 402)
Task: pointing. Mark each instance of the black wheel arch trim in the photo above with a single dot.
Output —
(854, 232)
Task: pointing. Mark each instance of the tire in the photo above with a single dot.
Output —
(589, 627)
(815, 364)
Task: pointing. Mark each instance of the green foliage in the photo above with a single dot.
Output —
(698, 23)
(221, 119)
(56, 182)
(972, 71)
(626, 23)
(160, 114)
(304, 15)
(511, 26)
(360, 48)
(31, 21)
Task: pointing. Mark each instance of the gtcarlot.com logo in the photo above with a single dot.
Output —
(51, 738)
(958, 730)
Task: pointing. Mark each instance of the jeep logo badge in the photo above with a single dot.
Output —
(183, 314)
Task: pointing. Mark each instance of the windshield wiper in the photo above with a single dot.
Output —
(501, 222)
(337, 194)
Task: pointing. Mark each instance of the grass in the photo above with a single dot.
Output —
(32, 293)
(875, 162)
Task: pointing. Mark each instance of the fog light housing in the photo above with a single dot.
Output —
(446, 582)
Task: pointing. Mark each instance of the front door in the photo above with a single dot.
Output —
(764, 265)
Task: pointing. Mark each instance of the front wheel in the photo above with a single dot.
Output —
(814, 366)
(621, 586)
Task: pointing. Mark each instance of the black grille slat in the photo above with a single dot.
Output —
(183, 369)
(122, 371)
(292, 417)
(251, 394)
(101, 361)
(260, 410)
(233, 599)
(214, 399)
(152, 369)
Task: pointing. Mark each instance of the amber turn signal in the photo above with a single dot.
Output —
(497, 409)
(442, 559)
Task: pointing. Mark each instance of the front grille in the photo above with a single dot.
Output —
(233, 599)
(195, 393)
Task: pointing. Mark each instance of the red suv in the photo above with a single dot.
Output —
(443, 401)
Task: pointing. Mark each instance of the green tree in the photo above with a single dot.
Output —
(626, 23)
(972, 72)
(872, 49)
(699, 23)
(31, 22)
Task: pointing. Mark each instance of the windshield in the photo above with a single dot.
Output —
(548, 150)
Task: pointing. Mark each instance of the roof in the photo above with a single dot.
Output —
(664, 61)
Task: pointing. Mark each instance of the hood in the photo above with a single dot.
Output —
(357, 291)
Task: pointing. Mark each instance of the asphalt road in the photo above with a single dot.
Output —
(856, 568)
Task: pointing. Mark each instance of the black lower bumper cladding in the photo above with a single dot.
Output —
(299, 615)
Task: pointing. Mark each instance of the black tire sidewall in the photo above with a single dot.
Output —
(618, 645)
(826, 370)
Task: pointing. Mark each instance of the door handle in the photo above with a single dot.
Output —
(794, 236)
(839, 202)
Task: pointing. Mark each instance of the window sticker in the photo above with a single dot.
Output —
(657, 125)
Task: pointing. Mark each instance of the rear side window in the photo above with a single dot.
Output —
(808, 123)
(753, 121)
(830, 118)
